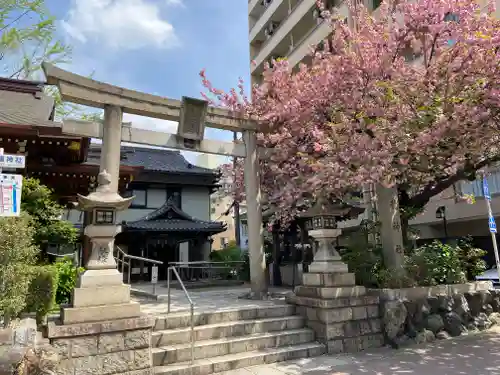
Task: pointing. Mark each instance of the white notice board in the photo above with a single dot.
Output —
(11, 186)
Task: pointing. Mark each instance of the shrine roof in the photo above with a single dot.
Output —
(150, 159)
(170, 218)
(25, 103)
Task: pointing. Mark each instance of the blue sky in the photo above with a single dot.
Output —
(157, 46)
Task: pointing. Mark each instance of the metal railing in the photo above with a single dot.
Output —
(206, 270)
(191, 304)
(125, 260)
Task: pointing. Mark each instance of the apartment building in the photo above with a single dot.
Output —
(288, 29)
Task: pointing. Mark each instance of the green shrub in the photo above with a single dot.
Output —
(365, 261)
(17, 253)
(42, 291)
(67, 275)
(231, 253)
(432, 264)
(436, 263)
(471, 258)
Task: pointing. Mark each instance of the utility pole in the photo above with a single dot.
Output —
(237, 233)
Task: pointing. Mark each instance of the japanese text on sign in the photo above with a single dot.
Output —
(12, 161)
(10, 194)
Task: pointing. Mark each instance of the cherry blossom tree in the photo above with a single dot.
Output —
(409, 97)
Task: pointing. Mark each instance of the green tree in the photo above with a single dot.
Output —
(38, 201)
(17, 251)
(28, 38)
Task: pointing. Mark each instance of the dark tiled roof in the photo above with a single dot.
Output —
(169, 218)
(25, 108)
(151, 159)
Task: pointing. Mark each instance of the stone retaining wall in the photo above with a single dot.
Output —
(103, 348)
(419, 315)
(428, 291)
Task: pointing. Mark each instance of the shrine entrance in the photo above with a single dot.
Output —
(193, 115)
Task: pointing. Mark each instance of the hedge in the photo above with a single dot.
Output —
(41, 297)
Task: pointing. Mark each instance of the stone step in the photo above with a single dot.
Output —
(330, 292)
(334, 303)
(328, 279)
(183, 319)
(249, 358)
(230, 345)
(226, 329)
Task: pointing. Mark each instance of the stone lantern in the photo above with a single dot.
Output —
(321, 224)
(343, 316)
(100, 293)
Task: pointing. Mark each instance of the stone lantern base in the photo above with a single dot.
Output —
(100, 293)
(343, 316)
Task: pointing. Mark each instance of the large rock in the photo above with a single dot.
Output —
(401, 341)
(433, 304)
(445, 303)
(482, 322)
(494, 318)
(394, 318)
(434, 323)
(421, 313)
(443, 335)
(478, 300)
(495, 300)
(475, 302)
(453, 323)
(424, 337)
(488, 309)
(461, 306)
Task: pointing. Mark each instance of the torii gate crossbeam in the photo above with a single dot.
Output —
(116, 101)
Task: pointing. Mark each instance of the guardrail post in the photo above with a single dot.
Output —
(169, 271)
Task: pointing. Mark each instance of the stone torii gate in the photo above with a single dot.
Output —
(193, 115)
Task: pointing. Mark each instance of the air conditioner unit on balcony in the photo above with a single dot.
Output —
(266, 3)
(271, 28)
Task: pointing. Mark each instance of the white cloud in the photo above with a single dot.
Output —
(176, 3)
(124, 24)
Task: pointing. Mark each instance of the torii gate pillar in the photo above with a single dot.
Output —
(254, 217)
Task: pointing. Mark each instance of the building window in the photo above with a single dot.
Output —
(176, 197)
(141, 198)
(212, 210)
(475, 188)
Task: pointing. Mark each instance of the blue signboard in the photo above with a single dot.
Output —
(492, 224)
(486, 190)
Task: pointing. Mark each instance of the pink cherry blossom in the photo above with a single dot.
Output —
(410, 97)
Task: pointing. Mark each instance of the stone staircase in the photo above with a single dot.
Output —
(227, 340)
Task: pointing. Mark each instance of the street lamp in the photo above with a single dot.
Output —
(441, 214)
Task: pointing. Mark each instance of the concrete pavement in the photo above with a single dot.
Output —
(477, 354)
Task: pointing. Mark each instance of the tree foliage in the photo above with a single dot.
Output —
(28, 38)
(38, 201)
(17, 254)
(410, 98)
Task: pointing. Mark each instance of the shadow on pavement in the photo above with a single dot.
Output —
(477, 354)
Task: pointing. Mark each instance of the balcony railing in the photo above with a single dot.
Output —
(285, 27)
